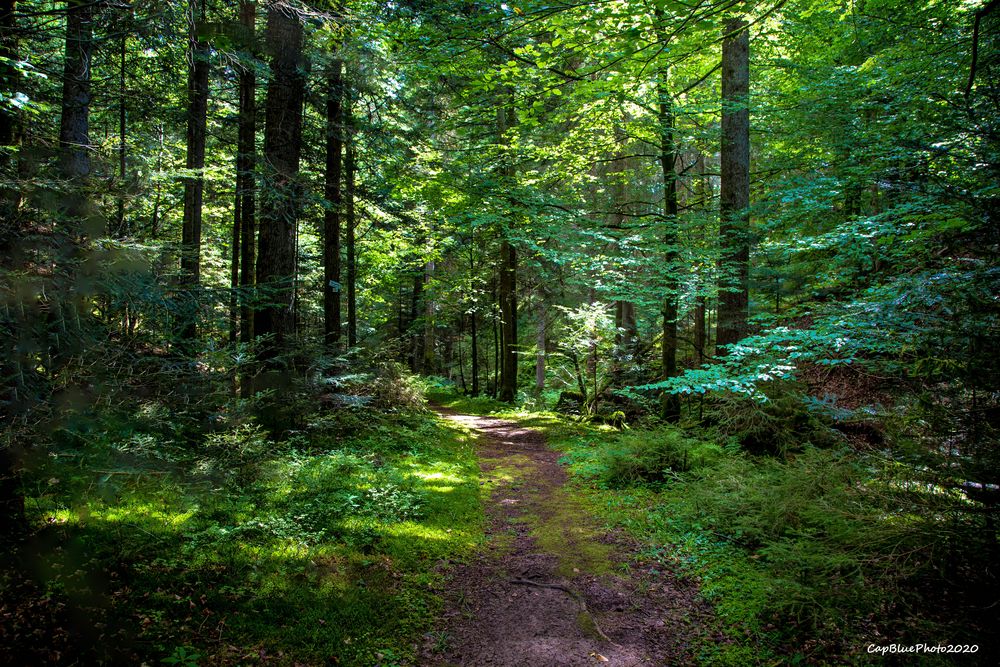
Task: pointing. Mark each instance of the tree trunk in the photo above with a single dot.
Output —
(474, 352)
(352, 261)
(331, 218)
(703, 196)
(495, 386)
(154, 222)
(194, 182)
(508, 289)
(234, 269)
(12, 518)
(428, 363)
(120, 229)
(473, 316)
(10, 197)
(508, 314)
(415, 353)
(540, 346)
(74, 123)
(734, 226)
(246, 163)
(670, 403)
(282, 149)
(461, 357)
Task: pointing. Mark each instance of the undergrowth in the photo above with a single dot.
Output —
(317, 545)
(809, 554)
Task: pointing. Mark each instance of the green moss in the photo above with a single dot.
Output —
(586, 623)
(563, 526)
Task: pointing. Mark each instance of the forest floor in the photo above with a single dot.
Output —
(551, 586)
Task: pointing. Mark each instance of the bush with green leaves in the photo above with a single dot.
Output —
(642, 457)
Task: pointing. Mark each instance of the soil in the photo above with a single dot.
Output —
(551, 586)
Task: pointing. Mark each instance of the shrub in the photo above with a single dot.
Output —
(781, 424)
(653, 457)
(395, 388)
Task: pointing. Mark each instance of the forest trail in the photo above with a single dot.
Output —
(550, 587)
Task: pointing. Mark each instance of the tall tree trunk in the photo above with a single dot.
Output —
(428, 363)
(473, 316)
(234, 269)
(331, 218)
(734, 226)
(508, 288)
(461, 358)
(120, 229)
(540, 345)
(350, 169)
(703, 195)
(282, 149)
(508, 314)
(10, 198)
(495, 386)
(74, 123)
(415, 341)
(12, 518)
(194, 182)
(154, 222)
(246, 163)
(669, 403)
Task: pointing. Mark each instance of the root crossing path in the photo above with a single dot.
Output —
(550, 586)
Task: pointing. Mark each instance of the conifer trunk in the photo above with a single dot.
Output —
(507, 291)
(282, 149)
(333, 194)
(74, 122)
(194, 181)
(246, 163)
(670, 403)
(734, 226)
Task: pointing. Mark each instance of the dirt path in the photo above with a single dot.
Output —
(550, 587)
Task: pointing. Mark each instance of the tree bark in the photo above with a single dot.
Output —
(120, 229)
(194, 181)
(428, 362)
(350, 169)
(416, 354)
(74, 122)
(734, 226)
(234, 270)
(670, 403)
(540, 346)
(10, 198)
(334, 198)
(282, 150)
(12, 517)
(473, 316)
(507, 290)
(495, 385)
(246, 164)
(703, 195)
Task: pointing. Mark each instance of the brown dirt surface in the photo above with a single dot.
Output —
(551, 586)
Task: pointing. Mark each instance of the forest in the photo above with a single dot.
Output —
(537, 332)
